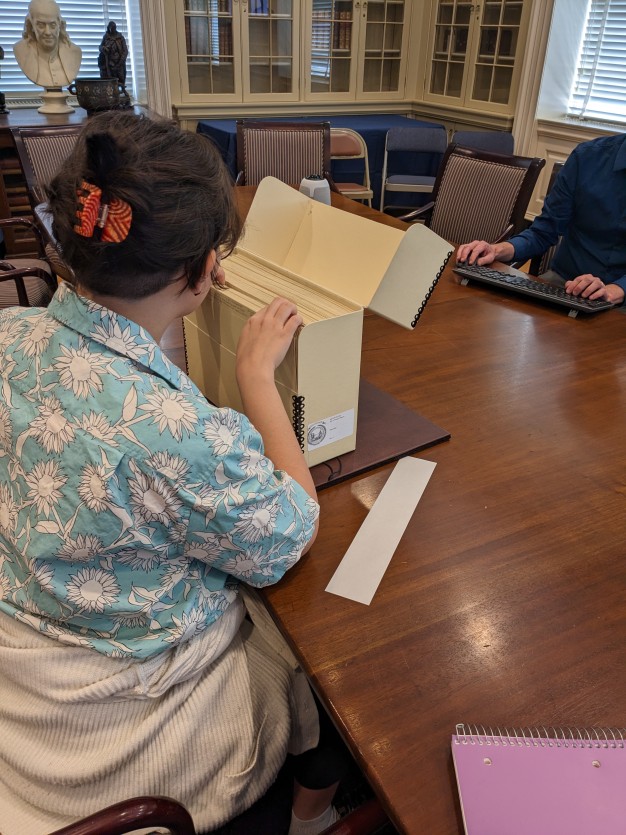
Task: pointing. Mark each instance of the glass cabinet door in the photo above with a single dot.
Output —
(497, 44)
(451, 39)
(210, 41)
(270, 30)
(383, 54)
(473, 51)
(332, 39)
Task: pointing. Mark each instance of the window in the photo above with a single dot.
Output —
(86, 24)
(599, 89)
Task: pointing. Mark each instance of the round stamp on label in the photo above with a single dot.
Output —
(316, 434)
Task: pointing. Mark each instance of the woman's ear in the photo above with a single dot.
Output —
(204, 282)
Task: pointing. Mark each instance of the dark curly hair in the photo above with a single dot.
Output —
(180, 193)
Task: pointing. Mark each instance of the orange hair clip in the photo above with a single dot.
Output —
(114, 218)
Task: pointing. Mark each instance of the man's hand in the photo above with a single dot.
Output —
(481, 252)
(591, 287)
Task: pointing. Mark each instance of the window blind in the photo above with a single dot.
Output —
(599, 89)
(86, 22)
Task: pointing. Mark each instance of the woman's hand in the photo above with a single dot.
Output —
(265, 339)
(591, 287)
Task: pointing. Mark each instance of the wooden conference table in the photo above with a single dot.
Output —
(505, 602)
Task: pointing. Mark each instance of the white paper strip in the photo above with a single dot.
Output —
(359, 573)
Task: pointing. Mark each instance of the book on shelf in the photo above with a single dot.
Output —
(331, 264)
(541, 781)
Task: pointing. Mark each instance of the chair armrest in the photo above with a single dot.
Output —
(417, 214)
(506, 234)
(8, 272)
(25, 221)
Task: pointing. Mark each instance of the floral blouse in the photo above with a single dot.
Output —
(129, 506)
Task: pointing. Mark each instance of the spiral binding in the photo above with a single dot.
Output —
(298, 418)
(541, 737)
(420, 309)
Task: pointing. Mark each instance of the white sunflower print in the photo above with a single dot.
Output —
(254, 463)
(257, 521)
(51, 428)
(222, 431)
(5, 587)
(8, 511)
(36, 342)
(187, 626)
(80, 371)
(130, 620)
(91, 589)
(173, 467)
(207, 551)
(6, 428)
(247, 564)
(140, 559)
(171, 410)
(206, 500)
(64, 636)
(99, 427)
(44, 482)
(92, 488)
(82, 549)
(43, 574)
(152, 498)
(122, 341)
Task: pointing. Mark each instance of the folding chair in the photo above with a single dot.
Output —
(349, 144)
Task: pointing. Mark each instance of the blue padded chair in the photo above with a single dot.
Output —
(410, 140)
(498, 141)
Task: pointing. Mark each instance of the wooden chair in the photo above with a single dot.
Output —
(402, 141)
(164, 812)
(132, 814)
(479, 195)
(349, 144)
(28, 282)
(289, 151)
(41, 150)
(498, 141)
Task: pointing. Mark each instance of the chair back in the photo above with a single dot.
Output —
(541, 263)
(135, 813)
(41, 151)
(399, 174)
(289, 151)
(346, 143)
(482, 196)
(498, 141)
(428, 140)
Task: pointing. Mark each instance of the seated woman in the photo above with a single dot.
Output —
(131, 510)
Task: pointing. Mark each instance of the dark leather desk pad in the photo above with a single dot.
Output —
(386, 430)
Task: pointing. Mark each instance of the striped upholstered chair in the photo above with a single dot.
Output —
(479, 195)
(289, 151)
(41, 150)
(27, 282)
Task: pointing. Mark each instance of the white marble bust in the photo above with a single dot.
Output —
(45, 54)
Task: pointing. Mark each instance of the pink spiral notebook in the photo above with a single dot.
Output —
(538, 781)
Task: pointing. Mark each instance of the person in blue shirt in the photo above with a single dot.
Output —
(136, 518)
(587, 207)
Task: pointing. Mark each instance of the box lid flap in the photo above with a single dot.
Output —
(371, 264)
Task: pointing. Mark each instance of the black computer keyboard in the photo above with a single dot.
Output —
(508, 278)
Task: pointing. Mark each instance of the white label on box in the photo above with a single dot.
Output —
(329, 430)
